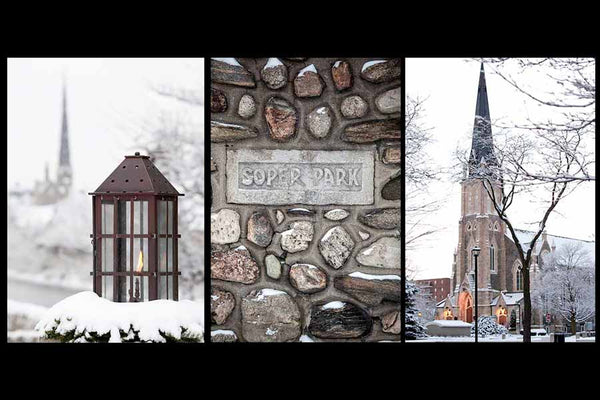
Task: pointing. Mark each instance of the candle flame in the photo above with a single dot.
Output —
(140, 262)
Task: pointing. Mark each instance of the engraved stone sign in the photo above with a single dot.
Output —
(274, 177)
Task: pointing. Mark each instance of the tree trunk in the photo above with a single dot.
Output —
(573, 325)
(526, 305)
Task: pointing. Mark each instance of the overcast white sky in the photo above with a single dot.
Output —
(451, 88)
(109, 102)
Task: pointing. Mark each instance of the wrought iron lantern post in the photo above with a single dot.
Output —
(135, 234)
(476, 250)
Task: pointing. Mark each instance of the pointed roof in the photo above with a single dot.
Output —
(136, 174)
(64, 157)
(482, 149)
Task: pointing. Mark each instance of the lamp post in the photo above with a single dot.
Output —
(476, 251)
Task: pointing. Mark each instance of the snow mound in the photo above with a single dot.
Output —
(449, 323)
(85, 317)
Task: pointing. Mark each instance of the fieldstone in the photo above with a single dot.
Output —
(371, 131)
(247, 106)
(364, 235)
(273, 266)
(223, 132)
(234, 266)
(335, 246)
(391, 154)
(339, 320)
(391, 190)
(218, 101)
(260, 231)
(275, 246)
(383, 253)
(378, 71)
(336, 215)
(308, 83)
(270, 315)
(222, 304)
(319, 122)
(298, 237)
(223, 336)
(354, 107)
(231, 72)
(281, 118)
(307, 278)
(342, 75)
(382, 218)
(389, 102)
(274, 74)
(225, 227)
(299, 211)
(370, 289)
(213, 165)
(391, 323)
(279, 215)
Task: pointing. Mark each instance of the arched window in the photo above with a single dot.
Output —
(519, 277)
(492, 259)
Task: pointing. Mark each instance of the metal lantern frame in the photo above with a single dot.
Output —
(135, 234)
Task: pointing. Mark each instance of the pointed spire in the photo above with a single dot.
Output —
(64, 159)
(482, 147)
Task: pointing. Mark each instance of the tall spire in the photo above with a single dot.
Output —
(65, 159)
(482, 147)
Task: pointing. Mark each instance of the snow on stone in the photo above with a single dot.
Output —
(217, 123)
(449, 323)
(333, 305)
(270, 332)
(368, 251)
(272, 63)
(337, 64)
(310, 68)
(86, 312)
(322, 110)
(374, 277)
(240, 248)
(267, 292)
(298, 209)
(370, 63)
(306, 339)
(230, 61)
(326, 236)
(223, 332)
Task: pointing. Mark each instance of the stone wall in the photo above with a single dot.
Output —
(305, 208)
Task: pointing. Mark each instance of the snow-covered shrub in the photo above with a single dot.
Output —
(414, 329)
(487, 325)
(85, 317)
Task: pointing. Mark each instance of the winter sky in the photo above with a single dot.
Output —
(450, 86)
(110, 102)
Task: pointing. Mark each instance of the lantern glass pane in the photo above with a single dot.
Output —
(124, 217)
(170, 294)
(107, 255)
(122, 287)
(107, 287)
(140, 217)
(162, 217)
(108, 210)
(170, 219)
(169, 254)
(162, 287)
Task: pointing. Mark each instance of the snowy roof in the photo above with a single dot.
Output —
(136, 174)
(510, 298)
(449, 323)
(525, 238)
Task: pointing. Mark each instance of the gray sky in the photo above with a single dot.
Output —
(451, 88)
(109, 102)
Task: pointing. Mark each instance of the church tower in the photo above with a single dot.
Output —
(64, 174)
(479, 225)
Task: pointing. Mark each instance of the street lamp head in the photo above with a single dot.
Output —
(476, 250)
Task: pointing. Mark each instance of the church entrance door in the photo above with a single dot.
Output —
(465, 302)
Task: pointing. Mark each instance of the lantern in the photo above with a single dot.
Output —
(135, 234)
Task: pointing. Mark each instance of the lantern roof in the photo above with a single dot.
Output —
(136, 175)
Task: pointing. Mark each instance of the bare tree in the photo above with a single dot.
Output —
(548, 161)
(566, 285)
(420, 171)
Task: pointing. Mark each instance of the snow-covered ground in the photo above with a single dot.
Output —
(497, 338)
(21, 319)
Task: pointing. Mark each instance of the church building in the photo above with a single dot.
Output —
(500, 280)
(51, 191)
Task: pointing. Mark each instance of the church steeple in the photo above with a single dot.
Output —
(64, 160)
(482, 149)
(65, 174)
